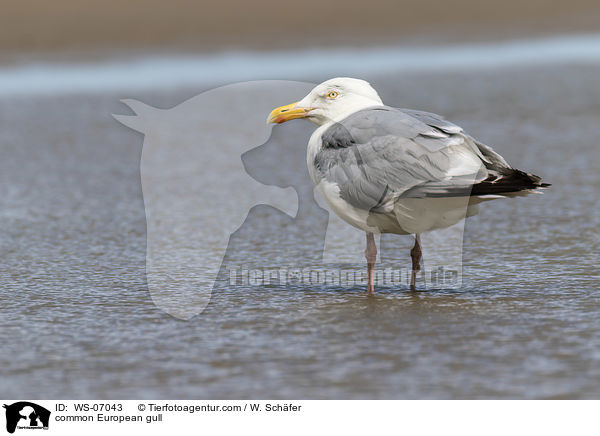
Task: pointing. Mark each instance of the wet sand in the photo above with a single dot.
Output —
(89, 27)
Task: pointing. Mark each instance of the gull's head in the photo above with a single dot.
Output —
(332, 100)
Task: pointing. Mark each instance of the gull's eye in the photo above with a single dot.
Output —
(332, 94)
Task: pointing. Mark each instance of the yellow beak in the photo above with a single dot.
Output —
(285, 113)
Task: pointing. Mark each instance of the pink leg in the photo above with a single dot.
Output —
(371, 255)
(415, 254)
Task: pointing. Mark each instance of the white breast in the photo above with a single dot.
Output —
(330, 191)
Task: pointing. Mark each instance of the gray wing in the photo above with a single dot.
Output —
(433, 120)
(502, 179)
(379, 154)
(487, 154)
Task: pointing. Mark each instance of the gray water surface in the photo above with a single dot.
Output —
(77, 319)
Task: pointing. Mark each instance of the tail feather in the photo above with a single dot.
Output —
(508, 180)
(503, 179)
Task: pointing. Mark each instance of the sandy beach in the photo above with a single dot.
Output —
(85, 27)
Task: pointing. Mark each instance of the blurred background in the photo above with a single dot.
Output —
(36, 26)
(76, 316)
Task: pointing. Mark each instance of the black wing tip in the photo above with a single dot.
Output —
(511, 180)
(536, 181)
(511, 183)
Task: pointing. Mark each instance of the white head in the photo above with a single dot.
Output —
(332, 100)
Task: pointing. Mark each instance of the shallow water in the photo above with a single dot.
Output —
(78, 320)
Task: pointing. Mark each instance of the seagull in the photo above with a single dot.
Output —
(388, 170)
